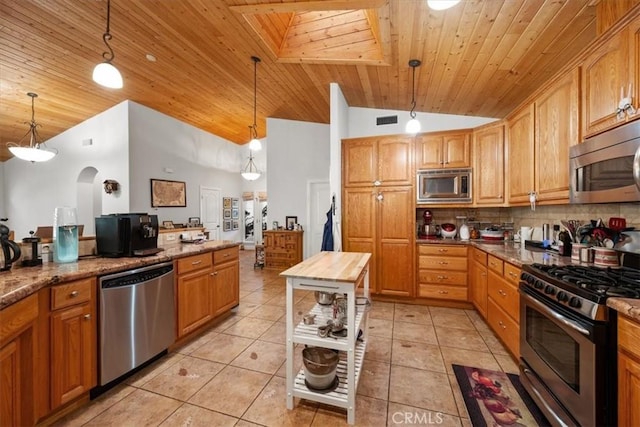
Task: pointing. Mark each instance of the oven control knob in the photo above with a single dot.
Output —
(562, 296)
(529, 278)
(538, 284)
(575, 302)
(549, 290)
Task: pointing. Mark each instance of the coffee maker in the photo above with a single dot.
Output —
(132, 234)
(10, 249)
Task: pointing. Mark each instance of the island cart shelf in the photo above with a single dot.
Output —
(343, 273)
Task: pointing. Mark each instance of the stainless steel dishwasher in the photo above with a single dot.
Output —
(137, 318)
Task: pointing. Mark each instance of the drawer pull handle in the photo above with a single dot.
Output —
(443, 292)
(87, 317)
(196, 262)
(443, 263)
(443, 250)
(502, 325)
(74, 294)
(226, 255)
(512, 274)
(483, 274)
(501, 292)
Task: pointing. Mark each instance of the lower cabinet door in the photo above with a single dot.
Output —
(628, 390)
(226, 292)
(73, 353)
(504, 326)
(195, 296)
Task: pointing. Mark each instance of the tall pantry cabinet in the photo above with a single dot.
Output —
(379, 209)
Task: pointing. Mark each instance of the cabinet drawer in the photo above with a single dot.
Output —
(442, 250)
(15, 318)
(442, 263)
(224, 255)
(480, 256)
(511, 274)
(505, 295)
(504, 326)
(495, 264)
(71, 293)
(443, 292)
(194, 262)
(629, 335)
(444, 277)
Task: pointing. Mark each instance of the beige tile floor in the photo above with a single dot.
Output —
(234, 373)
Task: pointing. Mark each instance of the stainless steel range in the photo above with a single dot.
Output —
(568, 339)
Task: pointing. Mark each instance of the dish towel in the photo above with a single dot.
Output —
(327, 234)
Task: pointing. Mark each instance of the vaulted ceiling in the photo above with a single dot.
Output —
(480, 58)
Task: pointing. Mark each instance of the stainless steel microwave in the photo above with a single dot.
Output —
(444, 186)
(606, 167)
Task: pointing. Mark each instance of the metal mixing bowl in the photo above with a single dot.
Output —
(324, 298)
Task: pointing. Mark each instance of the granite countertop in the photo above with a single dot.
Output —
(626, 306)
(20, 282)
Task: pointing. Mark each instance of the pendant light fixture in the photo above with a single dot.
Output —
(255, 144)
(442, 4)
(413, 125)
(35, 151)
(250, 171)
(105, 73)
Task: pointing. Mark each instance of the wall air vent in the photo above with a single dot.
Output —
(387, 120)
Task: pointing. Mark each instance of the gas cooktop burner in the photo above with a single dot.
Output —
(589, 277)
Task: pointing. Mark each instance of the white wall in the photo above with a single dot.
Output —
(33, 190)
(160, 143)
(297, 153)
(362, 122)
(339, 130)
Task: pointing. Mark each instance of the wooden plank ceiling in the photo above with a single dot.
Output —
(480, 58)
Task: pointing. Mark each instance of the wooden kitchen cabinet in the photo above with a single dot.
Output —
(377, 161)
(488, 173)
(195, 292)
(380, 221)
(478, 280)
(556, 129)
(503, 302)
(73, 340)
(443, 150)
(18, 360)
(520, 155)
(628, 372)
(282, 248)
(442, 271)
(226, 277)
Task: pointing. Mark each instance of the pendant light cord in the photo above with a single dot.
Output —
(255, 96)
(413, 88)
(108, 56)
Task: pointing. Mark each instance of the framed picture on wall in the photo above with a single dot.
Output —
(226, 202)
(226, 225)
(235, 203)
(168, 194)
(236, 225)
(226, 213)
(235, 213)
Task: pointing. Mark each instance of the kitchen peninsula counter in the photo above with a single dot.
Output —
(20, 282)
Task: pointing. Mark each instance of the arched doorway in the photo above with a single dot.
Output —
(89, 198)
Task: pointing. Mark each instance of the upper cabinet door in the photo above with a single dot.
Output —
(488, 179)
(429, 152)
(443, 150)
(605, 80)
(556, 119)
(456, 149)
(520, 156)
(377, 161)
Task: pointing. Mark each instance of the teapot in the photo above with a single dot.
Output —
(10, 250)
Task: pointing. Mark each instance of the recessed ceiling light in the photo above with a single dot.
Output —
(150, 57)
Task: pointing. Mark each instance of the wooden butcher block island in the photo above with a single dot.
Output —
(338, 272)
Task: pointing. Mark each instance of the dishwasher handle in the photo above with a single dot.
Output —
(135, 277)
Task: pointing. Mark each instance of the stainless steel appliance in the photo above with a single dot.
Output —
(132, 234)
(606, 167)
(137, 318)
(567, 339)
(444, 186)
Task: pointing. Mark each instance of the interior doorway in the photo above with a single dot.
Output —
(210, 209)
(88, 199)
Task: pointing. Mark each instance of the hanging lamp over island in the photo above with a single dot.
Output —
(255, 144)
(36, 151)
(105, 73)
(413, 125)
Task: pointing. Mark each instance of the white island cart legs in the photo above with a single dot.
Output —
(343, 273)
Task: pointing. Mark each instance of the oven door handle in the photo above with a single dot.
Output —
(570, 323)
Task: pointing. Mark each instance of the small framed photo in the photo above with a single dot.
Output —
(194, 221)
(235, 213)
(226, 225)
(291, 222)
(226, 202)
(167, 224)
(236, 224)
(226, 213)
(235, 203)
(275, 225)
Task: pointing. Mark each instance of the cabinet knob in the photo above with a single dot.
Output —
(377, 183)
(443, 292)
(501, 292)
(73, 294)
(380, 197)
(196, 262)
(502, 325)
(512, 274)
(87, 317)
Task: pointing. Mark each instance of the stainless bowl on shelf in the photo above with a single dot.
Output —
(324, 298)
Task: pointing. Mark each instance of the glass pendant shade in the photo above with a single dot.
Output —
(35, 151)
(107, 75)
(255, 145)
(442, 4)
(250, 172)
(413, 126)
